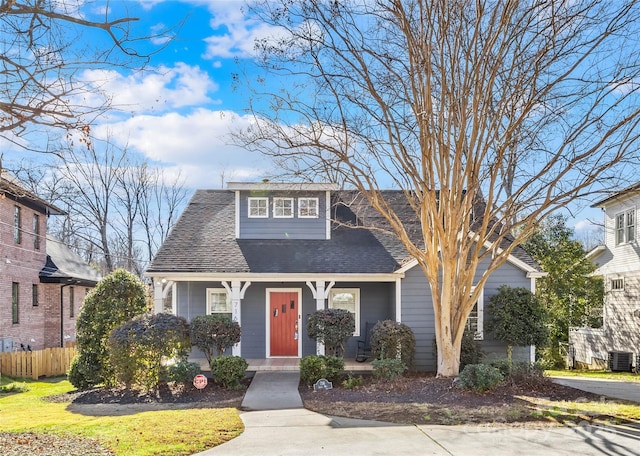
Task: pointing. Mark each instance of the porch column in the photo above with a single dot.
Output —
(161, 288)
(320, 294)
(236, 292)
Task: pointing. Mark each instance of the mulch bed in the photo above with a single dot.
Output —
(212, 396)
(425, 399)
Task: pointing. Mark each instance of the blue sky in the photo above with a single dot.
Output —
(179, 113)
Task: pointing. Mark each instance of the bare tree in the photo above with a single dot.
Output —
(46, 45)
(119, 209)
(92, 178)
(161, 202)
(490, 115)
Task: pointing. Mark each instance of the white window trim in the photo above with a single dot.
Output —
(479, 335)
(356, 292)
(211, 291)
(250, 200)
(621, 279)
(275, 212)
(625, 238)
(317, 203)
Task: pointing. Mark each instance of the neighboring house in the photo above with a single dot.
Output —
(43, 283)
(270, 254)
(618, 261)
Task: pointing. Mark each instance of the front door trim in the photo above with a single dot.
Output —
(268, 319)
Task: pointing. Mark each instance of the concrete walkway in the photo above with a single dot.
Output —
(278, 425)
(628, 391)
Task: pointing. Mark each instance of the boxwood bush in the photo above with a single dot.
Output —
(480, 377)
(229, 371)
(390, 339)
(314, 367)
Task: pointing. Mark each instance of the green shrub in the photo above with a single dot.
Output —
(388, 368)
(183, 372)
(480, 377)
(470, 350)
(14, 388)
(517, 317)
(313, 368)
(213, 334)
(332, 327)
(139, 349)
(229, 371)
(522, 373)
(117, 298)
(85, 371)
(352, 382)
(390, 339)
(333, 368)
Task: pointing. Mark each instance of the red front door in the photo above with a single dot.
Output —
(283, 310)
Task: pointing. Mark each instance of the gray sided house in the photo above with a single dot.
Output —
(617, 343)
(270, 254)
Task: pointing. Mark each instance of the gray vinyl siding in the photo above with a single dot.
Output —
(375, 305)
(283, 228)
(417, 313)
(253, 314)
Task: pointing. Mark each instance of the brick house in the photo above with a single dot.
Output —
(43, 283)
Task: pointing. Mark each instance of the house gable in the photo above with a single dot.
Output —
(282, 211)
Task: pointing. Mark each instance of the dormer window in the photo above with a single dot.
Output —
(308, 207)
(283, 207)
(258, 207)
(625, 227)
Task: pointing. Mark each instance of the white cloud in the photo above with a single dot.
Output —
(586, 224)
(158, 90)
(198, 143)
(241, 31)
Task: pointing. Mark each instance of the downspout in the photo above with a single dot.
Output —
(62, 313)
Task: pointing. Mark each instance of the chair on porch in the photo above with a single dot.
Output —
(364, 345)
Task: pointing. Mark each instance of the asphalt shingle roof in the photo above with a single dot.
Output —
(64, 265)
(203, 240)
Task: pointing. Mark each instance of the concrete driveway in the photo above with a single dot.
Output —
(628, 391)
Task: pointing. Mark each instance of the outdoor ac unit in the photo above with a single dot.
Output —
(620, 361)
(6, 344)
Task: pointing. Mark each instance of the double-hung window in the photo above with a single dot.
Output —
(283, 207)
(347, 299)
(258, 207)
(307, 207)
(218, 302)
(625, 227)
(475, 321)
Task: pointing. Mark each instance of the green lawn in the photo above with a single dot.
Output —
(176, 432)
(626, 376)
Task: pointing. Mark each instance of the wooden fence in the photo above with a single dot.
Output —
(48, 362)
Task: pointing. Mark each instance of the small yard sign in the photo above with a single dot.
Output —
(322, 384)
(200, 381)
